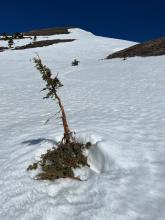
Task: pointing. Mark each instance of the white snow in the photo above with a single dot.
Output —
(117, 105)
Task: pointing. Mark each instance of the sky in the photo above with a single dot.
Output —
(135, 20)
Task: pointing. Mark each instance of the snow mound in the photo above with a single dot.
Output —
(99, 158)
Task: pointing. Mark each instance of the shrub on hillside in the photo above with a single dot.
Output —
(10, 43)
(75, 62)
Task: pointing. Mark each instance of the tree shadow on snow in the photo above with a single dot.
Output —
(38, 141)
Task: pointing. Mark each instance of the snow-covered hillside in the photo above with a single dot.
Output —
(117, 105)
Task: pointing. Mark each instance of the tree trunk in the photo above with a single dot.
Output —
(67, 132)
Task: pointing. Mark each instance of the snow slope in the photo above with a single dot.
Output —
(117, 105)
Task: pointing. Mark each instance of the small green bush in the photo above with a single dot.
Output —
(75, 62)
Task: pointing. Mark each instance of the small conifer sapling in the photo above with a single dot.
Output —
(75, 62)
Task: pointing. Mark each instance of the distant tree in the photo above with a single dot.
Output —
(124, 58)
(17, 35)
(34, 38)
(52, 86)
(75, 62)
(20, 35)
(10, 43)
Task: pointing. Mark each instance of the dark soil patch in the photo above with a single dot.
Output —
(59, 162)
(6, 39)
(47, 32)
(43, 43)
(149, 48)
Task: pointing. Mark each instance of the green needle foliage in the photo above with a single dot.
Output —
(60, 162)
(52, 84)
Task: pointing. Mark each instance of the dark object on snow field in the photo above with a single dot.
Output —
(149, 48)
(10, 42)
(75, 62)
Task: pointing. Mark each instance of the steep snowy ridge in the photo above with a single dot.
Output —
(117, 105)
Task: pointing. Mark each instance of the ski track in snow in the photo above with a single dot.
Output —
(117, 105)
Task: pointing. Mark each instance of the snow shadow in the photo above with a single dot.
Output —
(38, 141)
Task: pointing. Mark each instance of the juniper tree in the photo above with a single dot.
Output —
(52, 86)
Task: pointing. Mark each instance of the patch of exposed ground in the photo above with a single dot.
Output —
(47, 32)
(149, 48)
(8, 38)
(43, 43)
